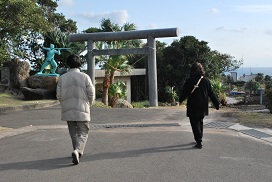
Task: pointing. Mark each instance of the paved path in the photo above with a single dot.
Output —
(131, 145)
(231, 100)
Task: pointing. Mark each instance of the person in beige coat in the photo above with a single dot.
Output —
(76, 92)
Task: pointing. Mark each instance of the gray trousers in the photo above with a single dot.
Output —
(79, 131)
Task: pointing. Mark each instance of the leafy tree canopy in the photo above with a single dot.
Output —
(24, 25)
(259, 78)
(177, 59)
(19, 17)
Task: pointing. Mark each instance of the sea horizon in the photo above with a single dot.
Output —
(252, 70)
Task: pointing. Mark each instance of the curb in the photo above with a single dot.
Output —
(259, 133)
(26, 129)
(264, 134)
(28, 107)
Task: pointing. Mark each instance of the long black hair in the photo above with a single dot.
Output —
(197, 69)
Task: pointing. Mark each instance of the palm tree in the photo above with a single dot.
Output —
(117, 91)
(114, 63)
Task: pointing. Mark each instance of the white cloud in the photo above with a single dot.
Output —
(66, 3)
(118, 16)
(254, 8)
(220, 28)
(213, 11)
(269, 32)
(152, 26)
(225, 29)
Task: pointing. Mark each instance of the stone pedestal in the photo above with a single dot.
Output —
(40, 87)
(44, 82)
(15, 73)
(38, 93)
(49, 74)
(5, 76)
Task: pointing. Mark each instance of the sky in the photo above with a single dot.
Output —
(240, 28)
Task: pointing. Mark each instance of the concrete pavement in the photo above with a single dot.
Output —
(132, 145)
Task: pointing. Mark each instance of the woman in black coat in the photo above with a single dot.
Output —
(198, 95)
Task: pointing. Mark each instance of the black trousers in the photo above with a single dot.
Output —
(197, 127)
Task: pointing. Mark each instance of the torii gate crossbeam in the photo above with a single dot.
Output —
(150, 35)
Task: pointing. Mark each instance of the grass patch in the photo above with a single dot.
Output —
(100, 104)
(252, 119)
(8, 100)
(255, 119)
(142, 104)
(239, 98)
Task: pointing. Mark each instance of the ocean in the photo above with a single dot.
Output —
(253, 70)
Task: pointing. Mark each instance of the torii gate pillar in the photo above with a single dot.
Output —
(150, 35)
(152, 72)
(91, 62)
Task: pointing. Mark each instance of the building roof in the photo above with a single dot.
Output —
(101, 73)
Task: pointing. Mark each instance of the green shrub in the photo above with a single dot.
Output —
(99, 104)
(268, 98)
(219, 90)
(142, 104)
(117, 91)
(172, 93)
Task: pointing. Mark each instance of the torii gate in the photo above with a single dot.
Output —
(150, 35)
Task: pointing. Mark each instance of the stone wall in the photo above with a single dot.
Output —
(19, 72)
(5, 76)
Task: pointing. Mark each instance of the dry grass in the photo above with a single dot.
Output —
(254, 119)
(8, 100)
(249, 118)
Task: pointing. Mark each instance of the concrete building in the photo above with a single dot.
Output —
(247, 78)
(234, 76)
(100, 74)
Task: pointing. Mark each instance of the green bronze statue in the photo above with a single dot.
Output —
(51, 51)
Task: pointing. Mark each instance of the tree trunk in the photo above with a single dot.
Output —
(112, 77)
(106, 86)
(114, 101)
(111, 98)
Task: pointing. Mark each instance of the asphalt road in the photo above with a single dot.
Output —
(128, 145)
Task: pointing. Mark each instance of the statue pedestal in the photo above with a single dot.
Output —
(50, 74)
(38, 93)
(40, 87)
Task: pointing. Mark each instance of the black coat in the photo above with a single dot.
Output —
(198, 101)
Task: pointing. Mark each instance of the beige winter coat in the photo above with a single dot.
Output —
(75, 92)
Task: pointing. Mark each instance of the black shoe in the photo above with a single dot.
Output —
(199, 146)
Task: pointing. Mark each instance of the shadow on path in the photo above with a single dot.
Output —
(139, 152)
(63, 162)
